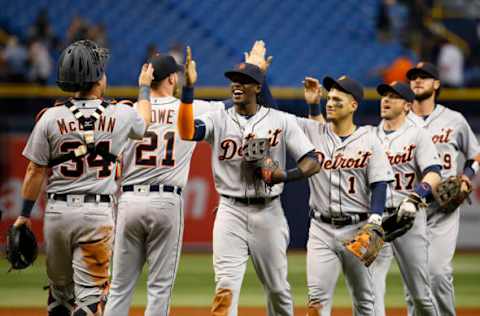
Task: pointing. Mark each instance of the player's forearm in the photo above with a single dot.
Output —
(378, 197)
(32, 185)
(185, 122)
(307, 166)
(432, 178)
(144, 107)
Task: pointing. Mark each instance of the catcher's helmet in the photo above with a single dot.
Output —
(81, 64)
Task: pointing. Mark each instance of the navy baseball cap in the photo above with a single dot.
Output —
(164, 65)
(400, 88)
(423, 68)
(345, 84)
(246, 70)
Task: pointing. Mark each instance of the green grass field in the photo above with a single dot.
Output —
(195, 285)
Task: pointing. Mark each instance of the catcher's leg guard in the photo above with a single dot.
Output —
(221, 302)
(314, 308)
(93, 306)
(58, 307)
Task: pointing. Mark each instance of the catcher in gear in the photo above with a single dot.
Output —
(78, 223)
(21, 247)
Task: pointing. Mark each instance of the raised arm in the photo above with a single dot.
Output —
(313, 92)
(186, 123)
(144, 106)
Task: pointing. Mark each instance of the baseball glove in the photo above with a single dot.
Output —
(450, 194)
(401, 220)
(21, 247)
(395, 227)
(256, 153)
(367, 243)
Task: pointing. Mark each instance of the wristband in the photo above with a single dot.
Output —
(293, 174)
(144, 93)
(423, 189)
(187, 95)
(315, 109)
(27, 206)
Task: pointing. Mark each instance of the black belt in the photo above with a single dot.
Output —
(251, 200)
(87, 198)
(155, 188)
(346, 219)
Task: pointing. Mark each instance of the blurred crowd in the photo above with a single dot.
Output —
(30, 57)
(416, 24)
(419, 26)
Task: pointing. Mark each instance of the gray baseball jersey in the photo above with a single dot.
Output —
(57, 132)
(347, 168)
(149, 225)
(162, 157)
(451, 135)
(226, 131)
(410, 151)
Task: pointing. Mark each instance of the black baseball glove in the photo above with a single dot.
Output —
(22, 248)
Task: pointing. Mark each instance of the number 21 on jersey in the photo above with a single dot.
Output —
(145, 152)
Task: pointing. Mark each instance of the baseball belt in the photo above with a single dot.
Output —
(152, 188)
(251, 200)
(339, 221)
(87, 198)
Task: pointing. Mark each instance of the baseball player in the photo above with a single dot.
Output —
(79, 140)
(346, 195)
(249, 220)
(452, 136)
(149, 222)
(416, 167)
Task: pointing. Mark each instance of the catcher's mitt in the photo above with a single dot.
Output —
(367, 243)
(450, 194)
(21, 247)
(256, 154)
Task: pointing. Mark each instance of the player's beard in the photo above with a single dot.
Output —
(424, 95)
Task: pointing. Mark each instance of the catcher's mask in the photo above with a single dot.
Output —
(81, 65)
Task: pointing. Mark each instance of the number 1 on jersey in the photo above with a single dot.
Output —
(169, 138)
(351, 185)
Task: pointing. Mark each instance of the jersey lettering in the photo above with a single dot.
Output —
(402, 158)
(443, 137)
(230, 147)
(342, 162)
(73, 126)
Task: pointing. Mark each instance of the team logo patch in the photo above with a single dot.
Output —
(420, 64)
(241, 66)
